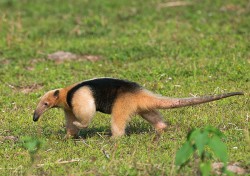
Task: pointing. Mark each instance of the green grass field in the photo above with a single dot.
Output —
(178, 51)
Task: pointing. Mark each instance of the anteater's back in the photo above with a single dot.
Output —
(105, 91)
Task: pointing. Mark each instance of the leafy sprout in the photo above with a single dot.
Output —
(198, 140)
(32, 145)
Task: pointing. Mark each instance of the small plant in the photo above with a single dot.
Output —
(200, 140)
(32, 145)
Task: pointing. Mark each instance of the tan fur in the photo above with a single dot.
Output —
(83, 107)
(124, 107)
(60, 102)
(72, 130)
(82, 113)
(142, 102)
(154, 117)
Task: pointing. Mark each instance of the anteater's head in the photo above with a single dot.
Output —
(48, 100)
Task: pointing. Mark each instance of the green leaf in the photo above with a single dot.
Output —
(32, 144)
(193, 134)
(205, 168)
(214, 130)
(201, 140)
(219, 148)
(183, 154)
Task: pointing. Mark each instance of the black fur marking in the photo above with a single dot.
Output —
(56, 93)
(105, 91)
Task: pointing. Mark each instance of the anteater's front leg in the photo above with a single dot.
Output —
(71, 129)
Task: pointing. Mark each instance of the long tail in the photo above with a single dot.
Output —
(168, 103)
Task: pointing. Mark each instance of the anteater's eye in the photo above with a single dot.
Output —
(46, 104)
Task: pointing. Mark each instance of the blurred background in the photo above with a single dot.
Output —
(174, 48)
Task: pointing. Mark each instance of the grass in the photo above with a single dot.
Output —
(196, 49)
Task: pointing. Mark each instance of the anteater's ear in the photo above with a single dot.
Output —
(56, 94)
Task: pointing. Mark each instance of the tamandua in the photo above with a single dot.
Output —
(120, 98)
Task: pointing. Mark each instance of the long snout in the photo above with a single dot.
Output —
(36, 116)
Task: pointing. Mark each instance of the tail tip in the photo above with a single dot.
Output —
(238, 93)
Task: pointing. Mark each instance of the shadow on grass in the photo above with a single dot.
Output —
(139, 129)
(106, 131)
(93, 131)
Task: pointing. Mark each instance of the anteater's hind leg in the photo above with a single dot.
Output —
(124, 107)
(119, 120)
(155, 118)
